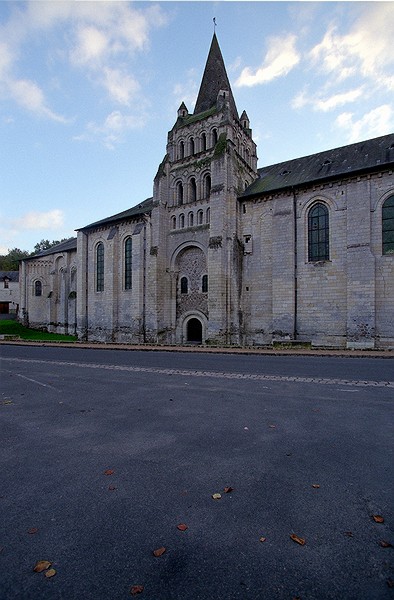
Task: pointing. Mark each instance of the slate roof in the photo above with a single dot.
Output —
(214, 79)
(139, 209)
(10, 275)
(66, 246)
(367, 156)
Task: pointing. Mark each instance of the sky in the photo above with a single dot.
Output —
(89, 91)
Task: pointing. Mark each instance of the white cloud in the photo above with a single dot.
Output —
(98, 38)
(280, 59)
(366, 50)
(377, 122)
(52, 219)
(329, 103)
(112, 130)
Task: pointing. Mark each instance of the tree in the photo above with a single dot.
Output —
(10, 261)
(46, 244)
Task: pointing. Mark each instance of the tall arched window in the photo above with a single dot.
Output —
(191, 146)
(182, 150)
(100, 267)
(207, 186)
(318, 233)
(38, 288)
(190, 219)
(214, 137)
(181, 221)
(128, 264)
(200, 217)
(204, 284)
(203, 141)
(208, 215)
(184, 285)
(179, 193)
(388, 226)
(173, 222)
(192, 190)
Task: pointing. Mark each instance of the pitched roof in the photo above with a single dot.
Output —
(66, 246)
(369, 155)
(214, 79)
(139, 209)
(10, 275)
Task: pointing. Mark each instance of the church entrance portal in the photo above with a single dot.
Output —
(194, 331)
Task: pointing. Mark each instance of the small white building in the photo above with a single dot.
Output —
(9, 294)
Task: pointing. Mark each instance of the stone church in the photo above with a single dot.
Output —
(225, 253)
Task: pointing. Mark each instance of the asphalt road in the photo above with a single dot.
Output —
(171, 430)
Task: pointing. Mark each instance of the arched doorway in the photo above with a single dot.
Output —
(194, 331)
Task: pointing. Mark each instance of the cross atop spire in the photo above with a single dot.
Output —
(214, 79)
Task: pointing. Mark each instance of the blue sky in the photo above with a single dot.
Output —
(89, 90)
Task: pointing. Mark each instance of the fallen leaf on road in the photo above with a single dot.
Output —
(349, 533)
(111, 488)
(385, 544)
(378, 518)
(50, 573)
(297, 539)
(159, 551)
(315, 485)
(109, 472)
(262, 539)
(32, 530)
(136, 589)
(216, 496)
(182, 527)
(228, 490)
(42, 565)
(272, 426)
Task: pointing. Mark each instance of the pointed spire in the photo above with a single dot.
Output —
(213, 81)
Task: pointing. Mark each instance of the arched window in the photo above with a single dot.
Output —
(203, 141)
(173, 222)
(388, 226)
(192, 190)
(207, 186)
(200, 217)
(38, 288)
(181, 221)
(214, 137)
(208, 215)
(191, 145)
(204, 283)
(179, 193)
(190, 219)
(100, 267)
(128, 264)
(181, 150)
(318, 233)
(184, 285)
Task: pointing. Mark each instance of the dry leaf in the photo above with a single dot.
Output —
(349, 533)
(228, 490)
(378, 518)
(159, 551)
(273, 426)
(390, 582)
(216, 496)
(42, 565)
(297, 539)
(32, 530)
(50, 573)
(262, 539)
(109, 472)
(136, 589)
(182, 527)
(315, 485)
(385, 544)
(112, 488)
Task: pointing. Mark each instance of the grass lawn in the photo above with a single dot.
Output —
(10, 327)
